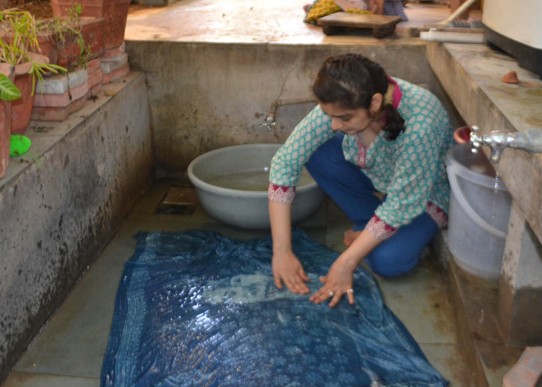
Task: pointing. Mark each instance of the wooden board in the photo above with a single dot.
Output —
(382, 25)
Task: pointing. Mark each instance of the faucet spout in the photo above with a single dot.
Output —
(529, 140)
(270, 121)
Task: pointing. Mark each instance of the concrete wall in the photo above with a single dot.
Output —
(207, 96)
(60, 204)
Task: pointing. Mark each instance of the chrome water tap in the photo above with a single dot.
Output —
(529, 140)
(269, 122)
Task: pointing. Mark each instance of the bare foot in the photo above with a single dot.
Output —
(350, 236)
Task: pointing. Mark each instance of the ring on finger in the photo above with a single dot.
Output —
(331, 294)
(350, 290)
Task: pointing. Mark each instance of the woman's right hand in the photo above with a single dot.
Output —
(288, 270)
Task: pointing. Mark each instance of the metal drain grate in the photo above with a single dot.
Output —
(178, 200)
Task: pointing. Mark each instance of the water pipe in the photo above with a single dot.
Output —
(437, 35)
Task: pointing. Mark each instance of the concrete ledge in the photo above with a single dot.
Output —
(471, 75)
(61, 202)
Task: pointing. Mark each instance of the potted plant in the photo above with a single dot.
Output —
(75, 39)
(65, 34)
(114, 13)
(19, 48)
(8, 92)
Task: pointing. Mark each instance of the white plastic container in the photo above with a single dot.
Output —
(479, 212)
(516, 20)
(515, 27)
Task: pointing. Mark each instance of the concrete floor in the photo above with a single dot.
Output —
(242, 21)
(70, 348)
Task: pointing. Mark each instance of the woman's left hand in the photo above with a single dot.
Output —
(337, 283)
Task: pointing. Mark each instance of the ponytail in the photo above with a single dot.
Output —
(394, 125)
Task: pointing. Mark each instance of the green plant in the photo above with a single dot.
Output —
(67, 29)
(19, 44)
(8, 90)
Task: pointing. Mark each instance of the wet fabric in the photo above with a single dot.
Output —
(199, 309)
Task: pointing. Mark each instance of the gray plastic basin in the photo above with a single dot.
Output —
(238, 207)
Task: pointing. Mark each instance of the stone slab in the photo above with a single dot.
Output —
(113, 63)
(58, 112)
(115, 74)
(62, 100)
(62, 83)
(114, 52)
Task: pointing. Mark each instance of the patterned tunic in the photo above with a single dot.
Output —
(410, 170)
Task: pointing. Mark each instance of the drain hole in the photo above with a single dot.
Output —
(178, 200)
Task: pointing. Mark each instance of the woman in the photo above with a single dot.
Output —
(375, 145)
(377, 7)
(389, 7)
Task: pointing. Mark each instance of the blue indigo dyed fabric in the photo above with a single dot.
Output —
(199, 309)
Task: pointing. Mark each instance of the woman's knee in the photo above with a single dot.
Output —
(393, 264)
(402, 252)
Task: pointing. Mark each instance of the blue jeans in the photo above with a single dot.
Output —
(354, 193)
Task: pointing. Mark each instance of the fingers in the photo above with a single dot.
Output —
(278, 282)
(288, 271)
(350, 296)
(296, 285)
(296, 282)
(335, 298)
(326, 294)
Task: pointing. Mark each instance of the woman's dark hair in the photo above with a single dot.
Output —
(350, 81)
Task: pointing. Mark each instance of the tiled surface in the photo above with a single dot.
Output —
(70, 348)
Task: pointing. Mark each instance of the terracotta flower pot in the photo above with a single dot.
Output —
(5, 125)
(114, 12)
(69, 51)
(65, 50)
(5, 132)
(48, 47)
(21, 109)
(92, 29)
